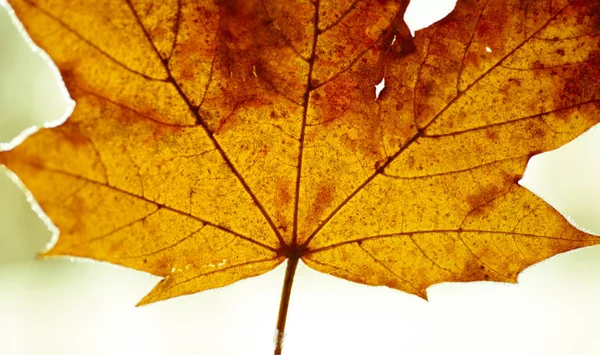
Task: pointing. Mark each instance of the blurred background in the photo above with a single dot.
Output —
(77, 307)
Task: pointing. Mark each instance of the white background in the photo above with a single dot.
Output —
(72, 307)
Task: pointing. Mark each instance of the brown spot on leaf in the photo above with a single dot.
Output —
(323, 199)
(492, 135)
(69, 76)
(234, 8)
(471, 270)
(578, 83)
(478, 200)
(515, 81)
(473, 59)
(283, 199)
(337, 96)
(72, 134)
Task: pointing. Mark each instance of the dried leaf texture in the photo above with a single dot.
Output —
(213, 139)
(488, 87)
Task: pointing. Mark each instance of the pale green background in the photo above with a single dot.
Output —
(67, 308)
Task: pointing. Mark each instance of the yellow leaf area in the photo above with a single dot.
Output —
(212, 140)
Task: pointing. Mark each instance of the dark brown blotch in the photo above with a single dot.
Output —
(578, 83)
(477, 200)
(71, 133)
(473, 270)
(69, 76)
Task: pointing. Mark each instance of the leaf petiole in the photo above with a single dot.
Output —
(290, 271)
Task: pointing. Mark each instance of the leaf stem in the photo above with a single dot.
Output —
(290, 271)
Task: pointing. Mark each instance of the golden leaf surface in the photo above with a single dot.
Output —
(212, 140)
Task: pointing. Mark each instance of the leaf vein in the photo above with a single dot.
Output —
(164, 248)
(405, 234)
(114, 188)
(210, 134)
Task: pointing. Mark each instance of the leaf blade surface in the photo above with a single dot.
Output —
(212, 140)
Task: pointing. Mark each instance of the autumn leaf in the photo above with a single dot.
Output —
(213, 140)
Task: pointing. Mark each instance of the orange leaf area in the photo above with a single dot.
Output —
(212, 140)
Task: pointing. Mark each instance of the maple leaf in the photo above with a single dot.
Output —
(212, 141)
